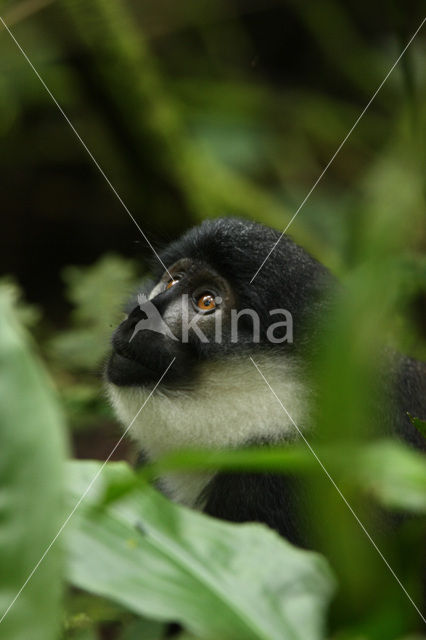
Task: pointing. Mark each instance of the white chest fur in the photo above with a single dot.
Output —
(229, 406)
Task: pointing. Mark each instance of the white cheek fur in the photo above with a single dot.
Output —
(229, 406)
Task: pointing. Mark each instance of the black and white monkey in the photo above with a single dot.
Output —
(212, 396)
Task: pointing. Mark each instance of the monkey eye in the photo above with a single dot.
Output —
(205, 301)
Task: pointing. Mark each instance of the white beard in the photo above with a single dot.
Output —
(228, 406)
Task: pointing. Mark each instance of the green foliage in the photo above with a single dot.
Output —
(171, 563)
(351, 369)
(419, 424)
(27, 314)
(75, 354)
(31, 507)
(83, 403)
(395, 475)
(95, 293)
(389, 471)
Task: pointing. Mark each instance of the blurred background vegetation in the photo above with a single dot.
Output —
(194, 110)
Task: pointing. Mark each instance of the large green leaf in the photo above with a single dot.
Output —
(31, 459)
(170, 563)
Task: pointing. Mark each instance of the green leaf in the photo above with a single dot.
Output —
(170, 563)
(32, 449)
(389, 470)
(395, 475)
(419, 424)
(95, 311)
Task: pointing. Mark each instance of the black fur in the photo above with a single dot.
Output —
(235, 248)
(258, 497)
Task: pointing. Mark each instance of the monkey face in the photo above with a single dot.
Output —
(210, 396)
(204, 307)
(186, 316)
(205, 317)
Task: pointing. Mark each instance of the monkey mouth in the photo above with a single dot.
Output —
(127, 372)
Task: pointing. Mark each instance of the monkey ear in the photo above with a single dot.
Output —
(142, 299)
